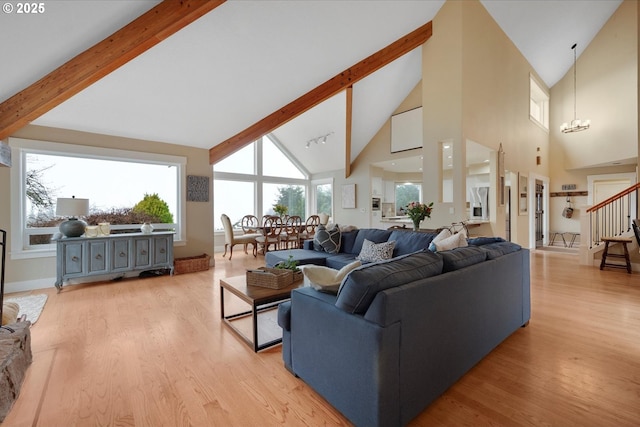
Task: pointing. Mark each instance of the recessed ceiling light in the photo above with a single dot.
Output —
(486, 161)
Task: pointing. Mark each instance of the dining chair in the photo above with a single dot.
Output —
(231, 239)
(309, 229)
(250, 226)
(271, 236)
(291, 233)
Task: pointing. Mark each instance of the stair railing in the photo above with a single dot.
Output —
(612, 217)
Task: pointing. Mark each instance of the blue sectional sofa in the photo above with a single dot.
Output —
(401, 332)
(350, 246)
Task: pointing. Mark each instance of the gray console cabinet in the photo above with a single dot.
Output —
(113, 254)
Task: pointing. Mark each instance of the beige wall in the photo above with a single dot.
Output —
(476, 87)
(199, 215)
(473, 88)
(607, 94)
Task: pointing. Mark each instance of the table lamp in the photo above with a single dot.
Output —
(72, 208)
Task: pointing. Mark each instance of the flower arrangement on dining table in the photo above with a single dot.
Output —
(417, 212)
(281, 210)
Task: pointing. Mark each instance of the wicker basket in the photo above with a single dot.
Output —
(274, 278)
(191, 264)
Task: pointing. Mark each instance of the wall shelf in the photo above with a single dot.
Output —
(569, 193)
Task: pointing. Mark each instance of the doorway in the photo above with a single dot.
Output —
(539, 213)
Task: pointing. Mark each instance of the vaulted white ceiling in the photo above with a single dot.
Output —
(245, 59)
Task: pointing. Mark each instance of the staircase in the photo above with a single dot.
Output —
(609, 218)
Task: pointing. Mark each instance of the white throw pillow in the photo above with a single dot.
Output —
(372, 252)
(327, 279)
(440, 237)
(458, 240)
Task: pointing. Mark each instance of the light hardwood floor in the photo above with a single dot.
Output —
(154, 352)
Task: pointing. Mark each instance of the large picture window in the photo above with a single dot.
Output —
(122, 187)
(276, 179)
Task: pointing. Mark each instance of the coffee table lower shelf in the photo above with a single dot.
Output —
(263, 303)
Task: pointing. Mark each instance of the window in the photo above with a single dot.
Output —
(276, 178)
(276, 163)
(242, 161)
(114, 181)
(227, 201)
(324, 198)
(407, 193)
(538, 104)
(292, 196)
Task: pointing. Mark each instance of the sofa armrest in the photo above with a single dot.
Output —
(353, 363)
(307, 244)
(284, 315)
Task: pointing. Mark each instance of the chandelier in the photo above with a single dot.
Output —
(576, 125)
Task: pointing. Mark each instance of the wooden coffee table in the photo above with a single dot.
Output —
(260, 299)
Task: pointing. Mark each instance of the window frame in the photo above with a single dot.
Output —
(538, 96)
(20, 247)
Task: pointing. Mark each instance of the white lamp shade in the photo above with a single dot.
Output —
(72, 207)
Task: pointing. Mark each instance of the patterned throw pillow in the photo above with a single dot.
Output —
(372, 252)
(327, 240)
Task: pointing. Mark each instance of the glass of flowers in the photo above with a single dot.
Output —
(417, 212)
(281, 210)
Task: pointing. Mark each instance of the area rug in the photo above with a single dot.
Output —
(31, 305)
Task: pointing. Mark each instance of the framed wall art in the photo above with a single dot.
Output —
(197, 188)
(348, 196)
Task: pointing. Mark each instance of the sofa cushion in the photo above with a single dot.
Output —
(496, 250)
(372, 234)
(360, 287)
(373, 252)
(338, 261)
(348, 240)
(462, 257)
(408, 241)
(303, 257)
(479, 241)
(327, 240)
(458, 240)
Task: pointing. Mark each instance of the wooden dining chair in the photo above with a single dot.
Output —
(309, 229)
(291, 233)
(250, 227)
(271, 235)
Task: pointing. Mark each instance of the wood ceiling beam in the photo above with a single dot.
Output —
(323, 92)
(349, 122)
(101, 59)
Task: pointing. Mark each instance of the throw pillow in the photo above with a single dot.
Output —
(445, 233)
(372, 252)
(325, 279)
(327, 240)
(458, 240)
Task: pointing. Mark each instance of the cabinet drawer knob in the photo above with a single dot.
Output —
(122, 254)
(98, 256)
(143, 252)
(75, 258)
(162, 251)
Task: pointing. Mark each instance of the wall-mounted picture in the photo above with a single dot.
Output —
(348, 196)
(522, 194)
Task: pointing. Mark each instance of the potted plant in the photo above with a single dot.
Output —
(290, 264)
